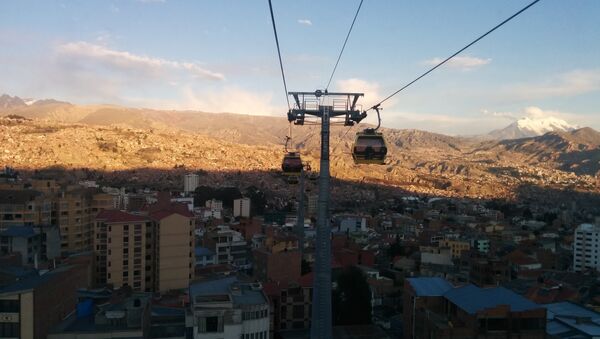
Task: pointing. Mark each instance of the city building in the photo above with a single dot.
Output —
(147, 253)
(76, 208)
(283, 266)
(174, 244)
(290, 305)
(24, 208)
(125, 315)
(456, 247)
(190, 182)
(125, 250)
(204, 257)
(569, 320)
(229, 246)
(30, 307)
(241, 207)
(585, 248)
(228, 308)
(35, 244)
(433, 308)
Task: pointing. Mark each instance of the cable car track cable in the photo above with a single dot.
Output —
(455, 54)
(344, 45)
(279, 54)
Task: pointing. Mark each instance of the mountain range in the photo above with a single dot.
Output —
(424, 161)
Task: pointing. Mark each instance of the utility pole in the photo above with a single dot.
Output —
(309, 103)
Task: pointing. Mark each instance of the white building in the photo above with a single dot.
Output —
(227, 308)
(214, 204)
(241, 207)
(190, 182)
(586, 247)
(229, 246)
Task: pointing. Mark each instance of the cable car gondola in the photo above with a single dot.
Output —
(369, 148)
(292, 164)
(369, 145)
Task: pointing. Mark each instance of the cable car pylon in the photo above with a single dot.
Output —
(342, 104)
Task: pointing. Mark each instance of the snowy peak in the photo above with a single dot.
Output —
(531, 127)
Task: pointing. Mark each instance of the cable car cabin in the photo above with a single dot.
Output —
(292, 164)
(369, 148)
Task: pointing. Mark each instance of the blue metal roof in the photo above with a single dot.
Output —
(34, 281)
(429, 286)
(472, 299)
(203, 251)
(567, 317)
(18, 232)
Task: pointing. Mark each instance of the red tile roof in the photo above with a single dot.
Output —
(160, 212)
(306, 280)
(119, 216)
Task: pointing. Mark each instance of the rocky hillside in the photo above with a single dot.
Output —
(413, 165)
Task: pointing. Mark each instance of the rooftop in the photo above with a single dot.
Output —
(113, 216)
(18, 232)
(473, 299)
(33, 281)
(14, 197)
(244, 294)
(429, 286)
(588, 228)
(572, 319)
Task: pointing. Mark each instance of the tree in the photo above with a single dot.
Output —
(352, 298)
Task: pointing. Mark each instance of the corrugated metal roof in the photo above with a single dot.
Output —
(429, 286)
(472, 299)
(19, 232)
(566, 317)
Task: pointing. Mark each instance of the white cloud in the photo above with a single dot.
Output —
(214, 101)
(87, 53)
(460, 62)
(506, 115)
(305, 22)
(568, 84)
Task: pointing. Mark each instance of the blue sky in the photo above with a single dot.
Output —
(220, 56)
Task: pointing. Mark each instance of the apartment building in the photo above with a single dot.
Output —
(457, 247)
(228, 308)
(30, 307)
(124, 250)
(228, 245)
(585, 248)
(151, 252)
(24, 208)
(174, 243)
(241, 207)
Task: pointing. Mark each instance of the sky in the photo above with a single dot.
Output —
(220, 56)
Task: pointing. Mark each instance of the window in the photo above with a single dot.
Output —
(9, 306)
(125, 274)
(8, 330)
(298, 311)
(212, 324)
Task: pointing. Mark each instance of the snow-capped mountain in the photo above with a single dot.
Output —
(531, 127)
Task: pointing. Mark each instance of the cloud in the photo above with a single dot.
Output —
(460, 62)
(305, 22)
(151, 1)
(573, 83)
(215, 100)
(370, 89)
(506, 115)
(97, 55)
